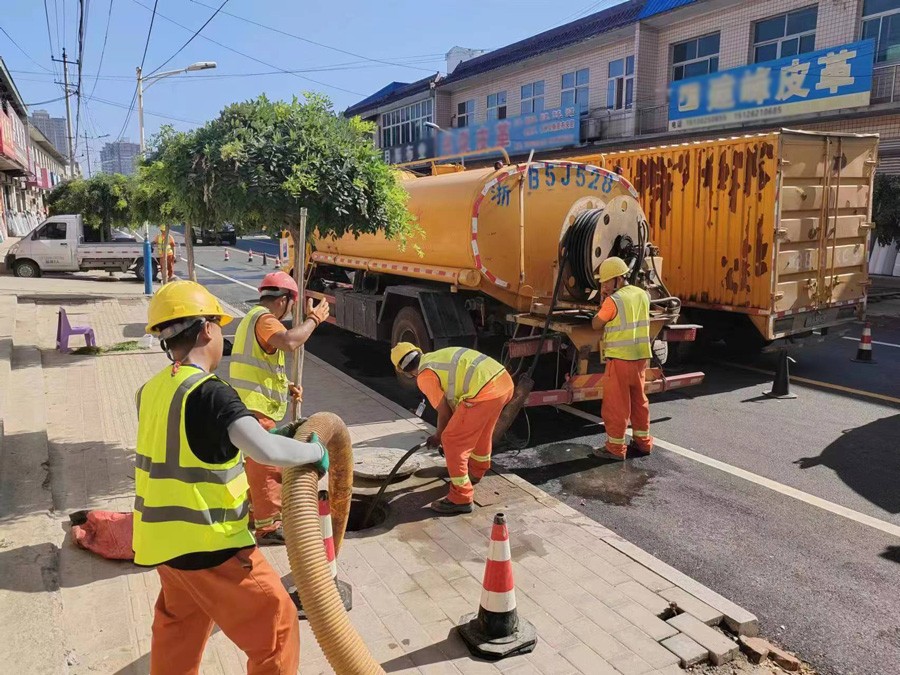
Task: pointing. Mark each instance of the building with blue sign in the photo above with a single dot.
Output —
(649, 72)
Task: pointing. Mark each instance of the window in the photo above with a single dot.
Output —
(51, 231)
(465, 113)
(695, 57)
(496, 106)
(407, 124)
(575, 89)
(785, 35)
(533, 97)
(881, 22)
(620, 88)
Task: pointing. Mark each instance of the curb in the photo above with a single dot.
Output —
(738, 619)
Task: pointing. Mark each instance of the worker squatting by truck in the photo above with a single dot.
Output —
(766, 236)
(506, 256)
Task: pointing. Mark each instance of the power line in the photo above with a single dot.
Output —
(143, 58)
(103, 50)
(191, 39)
(116, 104)
(16, 44)
(312, 42)
(52, 100)
(252, 58)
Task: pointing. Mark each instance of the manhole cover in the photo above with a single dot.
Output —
(376, 463)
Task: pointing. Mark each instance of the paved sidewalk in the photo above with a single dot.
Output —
(599, 603)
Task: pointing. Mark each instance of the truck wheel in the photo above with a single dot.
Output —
(27, 269)
(409, 326)
(139, 269)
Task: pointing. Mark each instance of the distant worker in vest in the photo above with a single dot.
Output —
(624, 318)
(469, 391)
(191, 507)
(165, 251)
(258, 373)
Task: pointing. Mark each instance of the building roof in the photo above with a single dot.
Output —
(41, 139)
(654, 7)
(9, 88)
(395, 91)
(556, 38)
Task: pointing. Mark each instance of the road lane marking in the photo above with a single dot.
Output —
(874, 342)
(224, 276)
(805, 497)
(816, 383)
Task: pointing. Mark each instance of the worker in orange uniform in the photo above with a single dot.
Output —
(191, 507)
(165, 251)
(624, 318)
(469, 390)
(258, 374)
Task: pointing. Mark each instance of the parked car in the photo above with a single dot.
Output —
(226, 234)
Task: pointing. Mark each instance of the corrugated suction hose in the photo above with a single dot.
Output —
(341, 644)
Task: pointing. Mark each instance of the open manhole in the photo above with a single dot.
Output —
(377, 464)
(359, 510)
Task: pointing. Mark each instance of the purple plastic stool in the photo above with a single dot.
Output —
(65, 330)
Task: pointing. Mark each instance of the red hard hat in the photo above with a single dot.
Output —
(280, 280)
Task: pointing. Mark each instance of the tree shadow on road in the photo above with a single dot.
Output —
(866, 458)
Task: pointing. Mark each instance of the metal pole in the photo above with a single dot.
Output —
(68, 115)
(148, 253)
(299, 235)
(87, 151)
(140, 103)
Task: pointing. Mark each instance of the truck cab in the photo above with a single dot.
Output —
(52, 246)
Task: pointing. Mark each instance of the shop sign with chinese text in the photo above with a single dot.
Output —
(546, 130)
(828, 79)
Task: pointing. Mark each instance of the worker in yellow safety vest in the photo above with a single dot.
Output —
(469, 391)
(257, 371)
(165, 251)
(624, 318)
(191, 507)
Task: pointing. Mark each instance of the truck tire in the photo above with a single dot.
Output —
(139, 268)
(409, 326)
(27, 269)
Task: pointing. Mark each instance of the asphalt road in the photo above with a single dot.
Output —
(823, 586)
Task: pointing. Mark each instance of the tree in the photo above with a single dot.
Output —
(103, 201)
(886, 209)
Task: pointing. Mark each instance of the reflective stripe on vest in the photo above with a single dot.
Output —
(260, 379)
(463, 373)
(164, 246)
(627, 336)
(182, 504)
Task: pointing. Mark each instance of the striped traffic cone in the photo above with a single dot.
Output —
(496, 631)
(277, 263)
(864, 351)
(250, 256)
(344, 589)
(227, 255)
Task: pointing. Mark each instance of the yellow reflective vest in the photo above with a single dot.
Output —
(260, 379)
(164, 245)
(182, 504)
(627, 336)
(463, 372)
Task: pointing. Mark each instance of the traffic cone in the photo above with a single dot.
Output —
(781, 386)
(227, 255)
(265, 260)
(496, 631)
(277, 263)
(344, 589)
(864, 351)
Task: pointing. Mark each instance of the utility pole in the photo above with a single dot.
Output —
(65, 63)
(87, 151)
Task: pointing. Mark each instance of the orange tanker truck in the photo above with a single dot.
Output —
(765, 236)
(506, 261)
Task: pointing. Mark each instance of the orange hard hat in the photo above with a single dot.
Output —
(281, 281)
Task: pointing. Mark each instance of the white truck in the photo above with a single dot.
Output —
(57, 245)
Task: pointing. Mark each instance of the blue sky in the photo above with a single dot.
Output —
(412, 34)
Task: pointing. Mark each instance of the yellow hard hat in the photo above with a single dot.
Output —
(183, 300)
(399, 353)
(610, 269)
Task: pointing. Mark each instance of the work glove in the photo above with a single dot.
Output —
(317, 313)
(288, 430)
(322, 465)
(434, 441)
(295, 391)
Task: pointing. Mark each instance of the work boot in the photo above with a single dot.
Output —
(445, 506)
(634, 450)
(273, 538)
(606, 453)
(475, 480)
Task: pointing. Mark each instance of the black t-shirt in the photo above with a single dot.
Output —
(208, 412)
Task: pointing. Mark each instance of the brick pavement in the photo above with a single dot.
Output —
(599, 606)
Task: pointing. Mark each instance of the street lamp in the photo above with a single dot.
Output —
(150, 79)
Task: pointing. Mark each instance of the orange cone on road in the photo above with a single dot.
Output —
(496, 631)
(864, 351)
(227, 255)
(250, 256)
(277, 263)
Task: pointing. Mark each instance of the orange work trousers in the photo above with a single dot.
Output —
(169, 262)
(467, 444)
(244, 597)
(623, 400)
(265, 488)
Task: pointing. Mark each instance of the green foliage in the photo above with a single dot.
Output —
(104, 201)
(886, 209)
